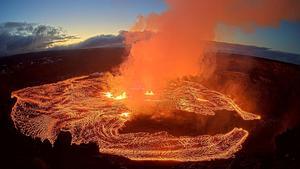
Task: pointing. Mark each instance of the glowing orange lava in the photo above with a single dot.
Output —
(119, 97)
(77, 106)
(149, 93)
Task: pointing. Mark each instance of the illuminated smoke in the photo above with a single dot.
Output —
(177, 47)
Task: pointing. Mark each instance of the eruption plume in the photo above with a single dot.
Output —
(97, 108)
(177, 48)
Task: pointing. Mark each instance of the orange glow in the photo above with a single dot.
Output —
(178, 43)
(122, 96)
(149, 93)
(125, 114)
(93, 116)
(202, 100)
(108, 95)
(91, 111)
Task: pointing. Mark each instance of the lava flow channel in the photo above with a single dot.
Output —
(80, 106)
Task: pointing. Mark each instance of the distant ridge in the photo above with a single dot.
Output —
(260, 52)
(219, 47)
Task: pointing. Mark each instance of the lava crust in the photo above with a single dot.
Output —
(78, 105)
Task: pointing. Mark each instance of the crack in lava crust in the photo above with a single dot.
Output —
(78, 105)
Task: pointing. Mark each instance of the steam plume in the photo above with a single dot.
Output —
(177, 47)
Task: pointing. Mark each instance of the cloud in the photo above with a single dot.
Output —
(110, 40)
(21, 37)
(100, 41)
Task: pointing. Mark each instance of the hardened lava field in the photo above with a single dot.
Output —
(83, 106)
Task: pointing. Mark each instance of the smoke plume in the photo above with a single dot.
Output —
(177, 47)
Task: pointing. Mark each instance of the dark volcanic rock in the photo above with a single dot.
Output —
(261, 86)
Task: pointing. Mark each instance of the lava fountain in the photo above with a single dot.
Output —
(93, 110)
(85, 108)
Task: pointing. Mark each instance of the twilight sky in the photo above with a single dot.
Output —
(88, 18)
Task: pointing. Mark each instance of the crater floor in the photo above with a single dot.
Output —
(79, 105)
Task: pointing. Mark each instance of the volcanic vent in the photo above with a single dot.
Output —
(84, 107)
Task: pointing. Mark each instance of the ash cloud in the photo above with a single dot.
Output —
(21, 37)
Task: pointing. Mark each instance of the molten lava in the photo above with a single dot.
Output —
(83, 107)
(149, 93)
(119, 97)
